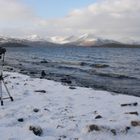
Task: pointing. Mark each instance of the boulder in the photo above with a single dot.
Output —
(37, 130)
(98, 117)
(135, 123)
(66, 80)
(44, 61)
(43, 74)
(93, 127)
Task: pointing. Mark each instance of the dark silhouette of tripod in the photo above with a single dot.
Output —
(1, 92)
(2, 82)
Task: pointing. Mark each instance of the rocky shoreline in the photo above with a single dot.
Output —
(52, 72)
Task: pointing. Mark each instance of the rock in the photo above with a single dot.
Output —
(130, 104)
(98, 117)
(72, 87)
(36, 110)
(42, 91)
(63, 136)
(14, 77)
(99, 65)
(44, 61)
(113, 131)
(127, 128)
(11, 69)
(32, 72)
(20, 119)
(93, 127)
(132, 113)
(43, 74)
(135, 123)
(66, 80)
(37, 130)
(83, 64)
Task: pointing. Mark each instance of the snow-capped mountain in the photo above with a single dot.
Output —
(82, 40)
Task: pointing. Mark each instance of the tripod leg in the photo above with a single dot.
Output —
(1, 98)
(7, 91)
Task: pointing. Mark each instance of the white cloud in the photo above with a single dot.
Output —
(113, 19)
(108, 18)
(13, 10)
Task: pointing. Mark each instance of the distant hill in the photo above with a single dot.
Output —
(13, 44)
(115, 45)
(86, 40)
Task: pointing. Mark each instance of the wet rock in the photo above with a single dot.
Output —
(37, 130)
(130, 104)
(21, 70)
(72, 87)
(135, 123)
(99, 65)
(36, 110)
(9, 68)
(66, 80)
(43, 74)
(44, 61)
(41, 91)
(132, 113)
(83, 64)
(98, 117)
(93, 127)
(32, 72)
(20, 119)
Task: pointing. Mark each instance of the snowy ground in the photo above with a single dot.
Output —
(65, 113)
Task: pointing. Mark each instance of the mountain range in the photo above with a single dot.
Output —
(87, 40)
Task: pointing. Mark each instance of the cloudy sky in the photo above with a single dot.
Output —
(112, 19)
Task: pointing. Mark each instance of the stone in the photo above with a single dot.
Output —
(42, 91)
(32, 72)
(132, 113)
(37, 130)
(72, 87)
(82, 64)
(44, 61)
(98, 117)
(99, 65)
(93, 127)
(43, 74)
(20, 119)
(113, 132)
(135, 123)
(36, 110)
(130, 104)
(66, 80)
(127, 128)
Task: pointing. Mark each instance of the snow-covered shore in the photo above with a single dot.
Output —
(65, 113)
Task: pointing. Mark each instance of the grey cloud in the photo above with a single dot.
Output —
(112, 19)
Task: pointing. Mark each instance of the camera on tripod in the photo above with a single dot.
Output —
(2, 55)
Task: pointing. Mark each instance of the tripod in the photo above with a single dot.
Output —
(2, 54)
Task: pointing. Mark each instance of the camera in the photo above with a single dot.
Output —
(2, 52)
